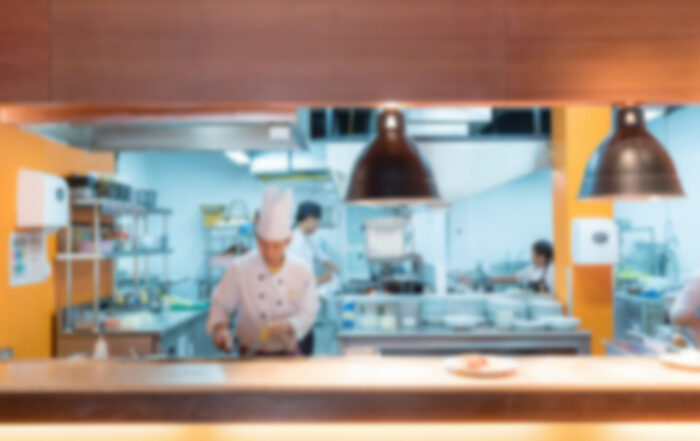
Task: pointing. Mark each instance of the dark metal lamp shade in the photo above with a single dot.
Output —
(391, 171)
(630, 164)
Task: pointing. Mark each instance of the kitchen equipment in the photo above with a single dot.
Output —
(409, 312)
(594, 241)
(527, 325)
(544, 307)
(469, 304)
(504, 320)
(385, 238)
(347, 315)
(481, 366)
(42, 201)
(560, 323)
(402, 285)
(145, 198)
(501, 310)
(387, 318)
(460, 322)
(212, 214)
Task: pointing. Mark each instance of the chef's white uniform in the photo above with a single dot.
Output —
(686, 307)
(261, 299)
(535, 274)
(306, 249)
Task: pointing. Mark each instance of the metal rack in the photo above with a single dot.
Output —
(113, 208)
(217, 238)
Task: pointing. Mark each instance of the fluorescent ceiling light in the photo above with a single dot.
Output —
(437, 129)
(238, 156)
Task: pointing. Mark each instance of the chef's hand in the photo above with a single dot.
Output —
(281, 329)
(223, 339)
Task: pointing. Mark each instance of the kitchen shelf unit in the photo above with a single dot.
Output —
(111, 208)
(217, 238)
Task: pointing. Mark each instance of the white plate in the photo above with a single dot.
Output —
(495, 367)
(463, 321)
(528, 325)
(560, 323)
(689, 359)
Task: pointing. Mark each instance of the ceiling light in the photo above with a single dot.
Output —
(391, 170)
(630, 164)
(238, 156)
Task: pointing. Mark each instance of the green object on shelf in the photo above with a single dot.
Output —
(181, 304)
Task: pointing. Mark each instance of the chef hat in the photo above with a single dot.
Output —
(275, 215)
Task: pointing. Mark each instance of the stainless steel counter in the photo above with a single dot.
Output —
(170, 333)
(442, 341)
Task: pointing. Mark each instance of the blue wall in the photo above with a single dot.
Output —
(680, 133)
(184, 181)
(501, 224)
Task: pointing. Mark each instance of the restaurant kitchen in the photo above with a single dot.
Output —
(504, 242)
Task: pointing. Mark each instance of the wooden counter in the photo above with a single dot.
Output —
(547, 389)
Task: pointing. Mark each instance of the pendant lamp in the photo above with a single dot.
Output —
(391, 171)
(630, 164)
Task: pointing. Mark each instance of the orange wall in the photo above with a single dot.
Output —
(26, 311)
(576, 132)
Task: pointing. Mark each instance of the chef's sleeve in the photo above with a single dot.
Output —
(225, 300)
(523, 276)
(686, 307)
(319, 255)
(549, 278)
(303, 320)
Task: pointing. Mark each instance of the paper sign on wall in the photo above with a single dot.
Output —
(28, 262)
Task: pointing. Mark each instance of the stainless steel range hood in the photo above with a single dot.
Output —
(244, 132)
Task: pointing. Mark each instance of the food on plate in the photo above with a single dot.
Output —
(474, 361)
(481, 366)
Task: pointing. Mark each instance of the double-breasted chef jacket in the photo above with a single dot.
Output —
(260, 298)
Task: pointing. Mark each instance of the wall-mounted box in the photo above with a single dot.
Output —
(595, 241)
(42, 201)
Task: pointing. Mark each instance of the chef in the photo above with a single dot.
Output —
(686, 307)
(272, 293)
(303, 245)
(539, 275)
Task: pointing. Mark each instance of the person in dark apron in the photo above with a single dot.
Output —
(539, 275)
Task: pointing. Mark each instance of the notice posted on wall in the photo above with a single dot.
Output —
(28, 262)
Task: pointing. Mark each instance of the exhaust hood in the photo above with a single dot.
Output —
(246, 132)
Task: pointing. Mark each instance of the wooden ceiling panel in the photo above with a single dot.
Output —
(24, 50)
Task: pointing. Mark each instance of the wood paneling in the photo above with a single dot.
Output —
(338, 51)
(24, 50)
(417, 69)
(604, 70)
(180, 50)
(275, 51)
(647, 19)
(419, 19)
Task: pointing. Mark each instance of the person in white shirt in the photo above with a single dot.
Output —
(272, 293)
(539, 275)
(686, 307)
(303, 245)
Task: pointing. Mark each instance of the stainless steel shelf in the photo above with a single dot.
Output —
(110, 256)
(116, 207)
